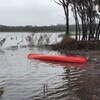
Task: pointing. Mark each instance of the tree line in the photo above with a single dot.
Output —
(86, 13)
(29, 28)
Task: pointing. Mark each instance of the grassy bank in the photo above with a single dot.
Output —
(68, 43)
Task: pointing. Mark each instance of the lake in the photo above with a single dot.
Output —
(24, 79)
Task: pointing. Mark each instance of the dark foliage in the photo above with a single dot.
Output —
(28, 28)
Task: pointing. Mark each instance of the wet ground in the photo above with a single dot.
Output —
(90, 87)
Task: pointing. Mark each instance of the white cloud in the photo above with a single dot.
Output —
(33, 12)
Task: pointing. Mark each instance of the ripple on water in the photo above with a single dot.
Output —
(36, 80)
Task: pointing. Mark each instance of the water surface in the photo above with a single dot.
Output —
(24, 79)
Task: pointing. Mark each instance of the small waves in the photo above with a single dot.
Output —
(24, 79)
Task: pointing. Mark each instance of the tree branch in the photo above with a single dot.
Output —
(58, 2)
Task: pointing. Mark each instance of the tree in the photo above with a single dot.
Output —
(75, 14)
(87, 12)
(65, 4)
(97, 35)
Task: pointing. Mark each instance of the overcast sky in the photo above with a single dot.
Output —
(31, 12)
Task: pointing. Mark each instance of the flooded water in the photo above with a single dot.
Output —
(24, 79)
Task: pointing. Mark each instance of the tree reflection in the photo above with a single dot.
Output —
(1, 91)
(70, 83)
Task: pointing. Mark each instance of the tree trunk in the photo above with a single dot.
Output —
(66, 11)
(97, 32)
(83, 33)
(76, 20)
(67, 21)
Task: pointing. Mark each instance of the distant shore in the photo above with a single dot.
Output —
(30, 28)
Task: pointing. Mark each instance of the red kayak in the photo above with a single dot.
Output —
(74, 59)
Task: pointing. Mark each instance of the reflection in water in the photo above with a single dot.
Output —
(53, 89)
(67, 89)
(64, 64)
(1, 91)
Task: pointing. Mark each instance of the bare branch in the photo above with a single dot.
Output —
(58, 2)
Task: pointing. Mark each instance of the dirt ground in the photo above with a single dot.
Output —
(91, 76)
